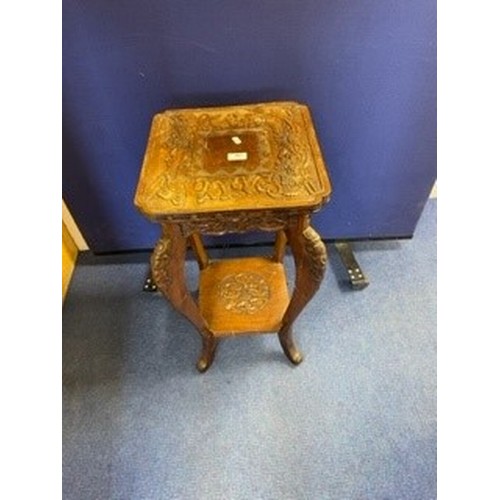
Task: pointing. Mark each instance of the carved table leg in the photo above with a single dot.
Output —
(199, 251)
(279, 246)
(309, 254)
(167, 264)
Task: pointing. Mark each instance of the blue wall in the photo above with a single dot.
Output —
(366, 68)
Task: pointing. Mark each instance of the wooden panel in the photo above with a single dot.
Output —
(69, 254)
(239, 296)
(73, 229)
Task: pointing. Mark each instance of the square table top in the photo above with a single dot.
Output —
(244, 157)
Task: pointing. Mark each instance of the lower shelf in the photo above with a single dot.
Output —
(240, 296)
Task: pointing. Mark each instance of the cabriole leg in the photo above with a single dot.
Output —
(167, 264)
(309, 254)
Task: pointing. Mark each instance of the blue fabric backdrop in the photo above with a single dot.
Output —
(366, 68)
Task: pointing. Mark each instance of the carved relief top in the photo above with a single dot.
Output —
(236, 157)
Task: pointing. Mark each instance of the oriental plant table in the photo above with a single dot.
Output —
(210, 171)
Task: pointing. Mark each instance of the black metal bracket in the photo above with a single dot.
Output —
(357, 279)
(149, 284)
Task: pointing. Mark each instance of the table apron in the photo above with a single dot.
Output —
(237, 222)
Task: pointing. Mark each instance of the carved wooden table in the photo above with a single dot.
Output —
(235, 169)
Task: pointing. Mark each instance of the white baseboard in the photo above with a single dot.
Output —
(434, 192)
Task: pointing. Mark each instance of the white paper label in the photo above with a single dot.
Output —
(236, 140)
(240, 156)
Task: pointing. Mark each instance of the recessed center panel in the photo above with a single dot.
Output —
(232, 151)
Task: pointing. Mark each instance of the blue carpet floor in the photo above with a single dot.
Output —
(356, 420)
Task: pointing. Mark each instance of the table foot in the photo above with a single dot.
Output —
(207, 354)
(289, 347)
